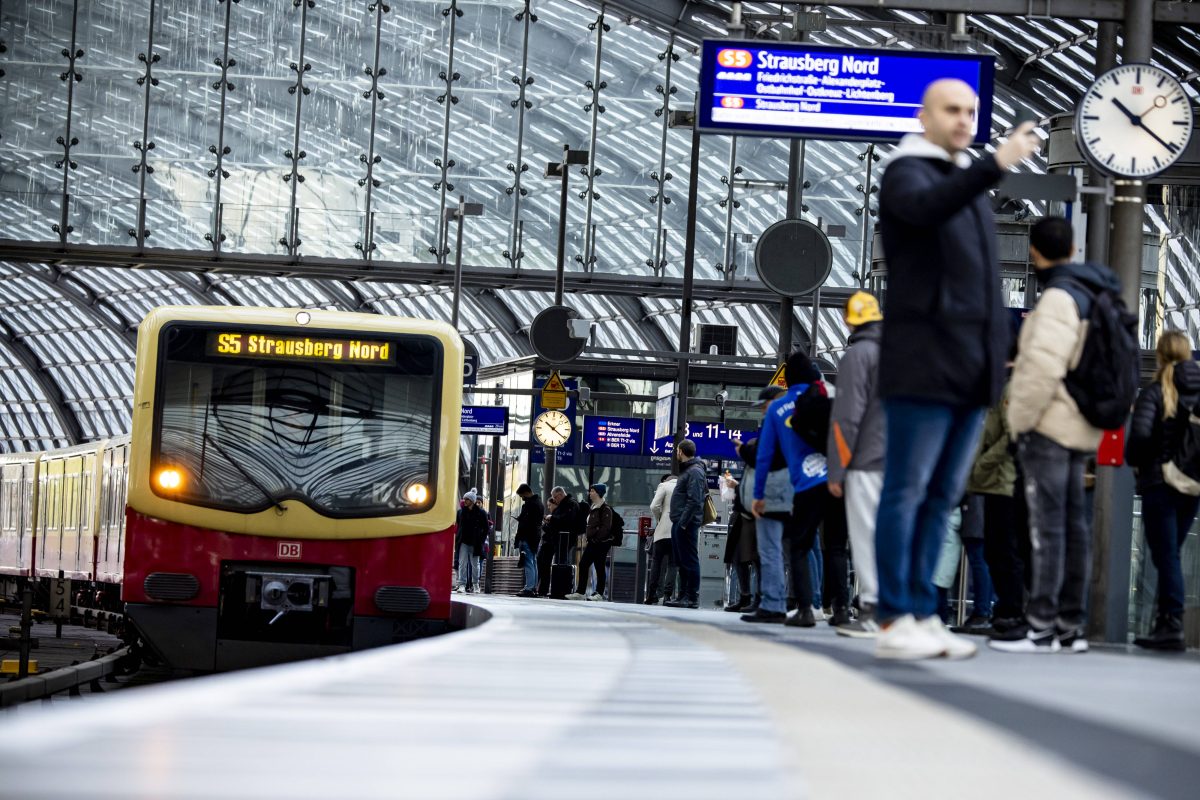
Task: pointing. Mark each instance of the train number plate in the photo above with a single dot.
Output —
(289, 550)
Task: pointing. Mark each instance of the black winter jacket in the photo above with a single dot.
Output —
(473, 527)
(562, 518)
(945, 333)
(529, 522)
(687, 501)
(1153, 440)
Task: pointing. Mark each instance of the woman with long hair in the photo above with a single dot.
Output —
(1160, 417)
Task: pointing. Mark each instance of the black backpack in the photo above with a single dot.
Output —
(1182, 472)
(1104, 383)
(616, 532)
(810, 418)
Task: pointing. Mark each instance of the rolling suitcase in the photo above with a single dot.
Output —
(562, 580)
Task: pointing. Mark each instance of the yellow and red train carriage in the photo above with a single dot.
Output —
(288, 487)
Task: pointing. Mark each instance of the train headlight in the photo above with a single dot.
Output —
(170, 479)
(416, 493)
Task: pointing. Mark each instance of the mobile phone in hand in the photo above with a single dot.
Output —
(1023, 115)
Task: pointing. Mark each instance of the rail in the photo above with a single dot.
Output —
(66, 679)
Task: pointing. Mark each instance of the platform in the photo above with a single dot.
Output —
(595, 700)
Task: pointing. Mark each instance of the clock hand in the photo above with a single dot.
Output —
(1133, 118)
(1170, 147)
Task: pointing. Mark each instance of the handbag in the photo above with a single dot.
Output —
(710, 510)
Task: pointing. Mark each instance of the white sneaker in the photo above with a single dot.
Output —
(819, 614)
(595, 596)
(907, 640)
(575, 596)
(956, 647)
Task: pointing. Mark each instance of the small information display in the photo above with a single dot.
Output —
(801, 90)
(621, 435)
(485, 420)
(237, 344)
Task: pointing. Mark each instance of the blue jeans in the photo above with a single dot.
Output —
(531, 573)
(816, 568)
(929, 451)
(1167, 517)
(981, 578)
(772, 582)
(468, 566)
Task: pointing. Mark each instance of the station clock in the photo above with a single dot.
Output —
(552, 428)
(1134, 121)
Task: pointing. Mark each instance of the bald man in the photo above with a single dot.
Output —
(942, 356)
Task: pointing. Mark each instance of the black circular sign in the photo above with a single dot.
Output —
(550, 337)
(793, 257)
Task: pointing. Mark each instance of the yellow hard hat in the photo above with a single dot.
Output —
(861, 308)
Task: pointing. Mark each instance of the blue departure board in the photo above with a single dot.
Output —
(800, 90)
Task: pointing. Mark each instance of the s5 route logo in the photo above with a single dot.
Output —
(737, 59)
(732, 102)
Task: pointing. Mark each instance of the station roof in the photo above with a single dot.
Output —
(67, 330)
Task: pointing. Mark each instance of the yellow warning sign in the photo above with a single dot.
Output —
(777, 379)
(554, 392)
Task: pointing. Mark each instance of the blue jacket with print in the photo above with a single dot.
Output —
(805, 465)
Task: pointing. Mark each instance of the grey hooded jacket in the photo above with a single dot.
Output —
(857, 426)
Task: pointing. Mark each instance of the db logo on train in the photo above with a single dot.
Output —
(737, 59)
(289, 550)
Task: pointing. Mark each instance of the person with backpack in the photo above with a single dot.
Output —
(687, 515)
(1055, 437)
(600, 538)
(857, 437)
(1156, 439)
(793, 426)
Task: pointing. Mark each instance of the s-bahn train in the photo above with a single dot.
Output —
(288, 488)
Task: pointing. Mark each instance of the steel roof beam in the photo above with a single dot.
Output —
(395, 272)
(634, 311)
(27, 358)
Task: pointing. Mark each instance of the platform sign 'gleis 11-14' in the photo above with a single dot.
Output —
(802, 90)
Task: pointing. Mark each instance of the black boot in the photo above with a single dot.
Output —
(742, 603)
(1167, 634)
(803, 618)
(651, 600)
(750, 609)
(840, 616)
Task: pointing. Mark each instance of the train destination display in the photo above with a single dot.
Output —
(799, 90)
(305, 348)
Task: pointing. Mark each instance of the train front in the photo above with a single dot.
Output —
(292, 483)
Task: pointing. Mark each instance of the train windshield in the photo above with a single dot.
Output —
(249, 417)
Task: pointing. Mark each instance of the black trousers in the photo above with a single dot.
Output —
(594, 555)
(808, 509)
(548, 552)
(1002, 550)
(661, 559)
(835, 545)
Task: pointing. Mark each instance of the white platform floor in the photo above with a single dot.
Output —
(595, 700)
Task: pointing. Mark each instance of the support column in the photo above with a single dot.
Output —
(689, 272)
(1112, 535)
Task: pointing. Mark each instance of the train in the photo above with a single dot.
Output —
(287, 489)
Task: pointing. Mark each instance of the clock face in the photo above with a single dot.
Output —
(1134, 121)
(552, 428)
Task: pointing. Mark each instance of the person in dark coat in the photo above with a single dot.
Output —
(599, 541)
(945, 337)
(1159, 419)
(556, 530)
(472, 535)
(529, 527)
(687, 515)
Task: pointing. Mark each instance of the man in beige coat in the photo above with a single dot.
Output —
(1054, 442)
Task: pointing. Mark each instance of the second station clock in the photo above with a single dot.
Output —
(1134, 121)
